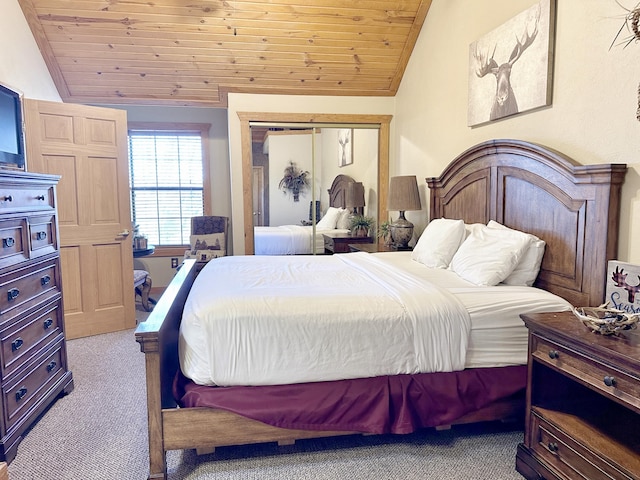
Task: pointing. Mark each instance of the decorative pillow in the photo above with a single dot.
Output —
(527, 269)
(330, 219)
(344, 220)
(489, 255)
(439, 242)
(206, 247)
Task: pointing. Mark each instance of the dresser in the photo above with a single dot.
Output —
(583, 402)
(33, 356)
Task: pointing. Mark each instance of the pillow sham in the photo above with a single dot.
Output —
(330, 219)
(438, 243)
(344, 220)
(527, 269)
(489, 255)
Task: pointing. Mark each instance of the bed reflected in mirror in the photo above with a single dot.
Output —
(295, 168)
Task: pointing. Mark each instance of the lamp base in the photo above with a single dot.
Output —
(401, 233)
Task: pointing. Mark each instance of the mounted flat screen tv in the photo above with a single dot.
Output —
(12, 154)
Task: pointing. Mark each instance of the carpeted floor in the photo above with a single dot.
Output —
(99, 432)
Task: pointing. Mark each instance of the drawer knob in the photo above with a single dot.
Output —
(553, 447)
(40, 197)
(12, 294)
(609, 381)
(16, 344)
(554, 354)
(51, 366)
(41, 235)
(8, 242)
(21, 393)
(45, 280)
(47, 324)
(7, 198)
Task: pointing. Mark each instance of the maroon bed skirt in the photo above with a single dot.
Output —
(389, 404)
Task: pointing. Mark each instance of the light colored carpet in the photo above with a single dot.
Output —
(99, 432)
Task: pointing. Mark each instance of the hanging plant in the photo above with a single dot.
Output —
(294, 181)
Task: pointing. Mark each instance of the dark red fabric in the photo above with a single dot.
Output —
(389, 404)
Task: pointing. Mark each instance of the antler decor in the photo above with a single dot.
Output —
(606, 321)
(295, 181)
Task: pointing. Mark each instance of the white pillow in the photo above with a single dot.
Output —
(344, 220)
(439, 242)
(330, 219)
(489, 255)
(471, 227)
(527, 269)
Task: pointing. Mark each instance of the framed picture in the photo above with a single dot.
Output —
(345, 146)
(510, 68)
(623, 286)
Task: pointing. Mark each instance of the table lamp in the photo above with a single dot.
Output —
(355, 197)
(403, 196)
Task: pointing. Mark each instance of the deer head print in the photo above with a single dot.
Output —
(505, 102)
(620, 279)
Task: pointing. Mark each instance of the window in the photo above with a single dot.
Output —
(168, 179)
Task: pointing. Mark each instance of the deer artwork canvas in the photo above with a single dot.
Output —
(510, 68)
(623, 286)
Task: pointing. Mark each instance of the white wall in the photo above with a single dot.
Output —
(21, 64)
(592, 116)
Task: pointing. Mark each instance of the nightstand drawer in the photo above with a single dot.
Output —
(572, 459)
(612, 382)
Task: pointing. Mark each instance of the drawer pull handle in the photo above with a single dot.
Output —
(554, 354)
(7, 198)
(52, 365)
(41, 235)
(47, 323)
(40, 197)
(16, 344)
(8, 242)
(13, 294)
(553, 447)
(609, 381)
(45, 280)
(21, 393)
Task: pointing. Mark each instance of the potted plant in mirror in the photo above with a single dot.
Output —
(384, 232)
(361, 225)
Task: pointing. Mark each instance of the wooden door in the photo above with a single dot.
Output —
(258, 196)
(87, 146)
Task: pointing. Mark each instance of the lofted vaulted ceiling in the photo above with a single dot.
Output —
(193, 52)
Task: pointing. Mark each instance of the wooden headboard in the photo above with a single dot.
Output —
(573, 208)
(338, 191)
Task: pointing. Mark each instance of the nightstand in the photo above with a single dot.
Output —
(339, 242)
(583, 402)
(371, 248)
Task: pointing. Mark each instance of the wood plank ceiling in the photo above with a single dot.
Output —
(193, 52)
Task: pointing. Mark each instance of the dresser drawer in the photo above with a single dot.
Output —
(26, 336)
(13, 248)
(14, 198)
(21, 394)
(614, 383)
(569, 457)
(28, 286)
(43, 235)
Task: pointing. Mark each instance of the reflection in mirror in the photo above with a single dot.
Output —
(294, 169)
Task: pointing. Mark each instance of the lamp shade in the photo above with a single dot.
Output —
(403, 193)
(355, 195)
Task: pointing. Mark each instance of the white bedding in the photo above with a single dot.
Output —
(289, 240)
(262, 320)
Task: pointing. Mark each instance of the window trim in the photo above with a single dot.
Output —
(203, 130)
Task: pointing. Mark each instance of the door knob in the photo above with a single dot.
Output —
(124, 233)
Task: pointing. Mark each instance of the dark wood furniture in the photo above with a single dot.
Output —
(573, 208)
(339, 242)
(375, 248)
(583, 402)
(33, 355)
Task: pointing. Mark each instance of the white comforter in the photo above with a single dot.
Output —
(263, 321)
(288, 240)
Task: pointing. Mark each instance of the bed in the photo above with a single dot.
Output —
(300, 239)
(521, 185)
